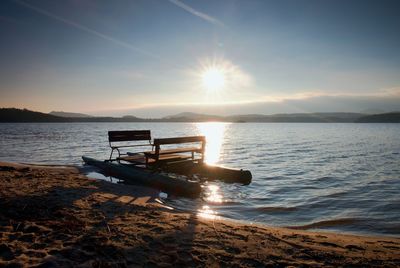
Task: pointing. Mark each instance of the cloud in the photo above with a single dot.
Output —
(323, 103)
(197, 13)
(393, 91)
(380, 93)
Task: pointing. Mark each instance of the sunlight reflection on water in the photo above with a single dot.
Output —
(302, 173)
(213, 194)
(207, 213)
(214, 132)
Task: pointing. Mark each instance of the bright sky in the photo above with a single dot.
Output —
(153, 57)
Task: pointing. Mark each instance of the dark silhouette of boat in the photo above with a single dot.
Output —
(160, 167)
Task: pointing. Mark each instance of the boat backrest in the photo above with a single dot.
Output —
(179, 140)
(124, 139)
(129, 135)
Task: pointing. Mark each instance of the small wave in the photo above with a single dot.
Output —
(231, 203)
(304, 150)
(275, 209)
(326, 223)
(325, 178)
(335, 194)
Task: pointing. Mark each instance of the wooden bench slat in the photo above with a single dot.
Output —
(175, 151)
(167, 158)
(117, 136)
(123, 132)
(158, 156)
(142, 159)
(172, 157)
(178, 140)
(129, 135)
(133, 158)
(162, 156)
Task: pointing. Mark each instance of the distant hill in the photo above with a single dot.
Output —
(188, 116)
(373, 111)
(393, 117)
(18, 115)
(184, 114)
(24, 115)
(70, 115)
(299, 117)
(130, 117)
(317, 117)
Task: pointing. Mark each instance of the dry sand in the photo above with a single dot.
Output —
(55, 216)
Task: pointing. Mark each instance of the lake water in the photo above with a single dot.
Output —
(342, 177)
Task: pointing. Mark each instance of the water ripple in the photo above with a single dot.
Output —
(325, 176)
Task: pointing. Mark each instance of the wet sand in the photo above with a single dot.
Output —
(55, 216)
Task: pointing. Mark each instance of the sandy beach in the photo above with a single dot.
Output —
(55, 216)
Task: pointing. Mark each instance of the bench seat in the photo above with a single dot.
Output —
(137, 158)
(161, 156)
(140, 159)
(153, 154)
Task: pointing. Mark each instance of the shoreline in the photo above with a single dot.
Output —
(55, 215)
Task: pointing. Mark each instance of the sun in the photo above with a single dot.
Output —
(213, 78)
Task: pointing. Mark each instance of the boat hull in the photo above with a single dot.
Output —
(174, 186)
(211, 172)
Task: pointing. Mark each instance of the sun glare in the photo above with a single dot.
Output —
(213, 79)
(218, 80)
